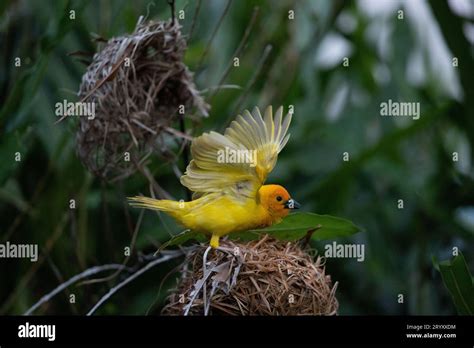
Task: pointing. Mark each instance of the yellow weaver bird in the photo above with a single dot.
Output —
(227, 175)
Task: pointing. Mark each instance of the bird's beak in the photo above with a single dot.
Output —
(292, 204)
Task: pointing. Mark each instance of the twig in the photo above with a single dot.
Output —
(185, 145)
(237, 52)
(165, 278)
(106, 218)
(198, 285)
(77, 277)
(124, 263)
(208, 46)
(178, 133)
(60, 278)
(150, 265)
(308, 236)
(204, 272)
(191, 31)
(148, 9)
(162, 193)
(173, 14)
(249, 85)
(162, 221)
(278, 90)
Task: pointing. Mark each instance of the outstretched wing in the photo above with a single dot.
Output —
(239, 161)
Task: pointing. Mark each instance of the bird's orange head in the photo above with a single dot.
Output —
(276, 200)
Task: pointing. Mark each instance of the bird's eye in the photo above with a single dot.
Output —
(279, 198)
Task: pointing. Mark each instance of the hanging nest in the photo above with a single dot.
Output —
(265, 277)
(138, 83)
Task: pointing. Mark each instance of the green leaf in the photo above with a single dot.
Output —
(297, 226)
(182, 238)
(458, 281)
(293, 227)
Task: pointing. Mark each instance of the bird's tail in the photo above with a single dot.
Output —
(170, 207)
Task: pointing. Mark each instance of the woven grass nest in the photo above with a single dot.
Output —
(265, 277)
(138, 82)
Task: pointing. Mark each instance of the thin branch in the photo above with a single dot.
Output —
(185, 153)
(173, 13)
(177, 172)
(204, 272)
(150, 265)
(191, 31)
(198, 285)
(178, 133)
(77, 277)
(239, 49)
(249, 85)
(106, 217)
(216, 29)
(174, 270)
(124, 263)
(162, 221)
(126, 210)
(162, 193)
(60, 278)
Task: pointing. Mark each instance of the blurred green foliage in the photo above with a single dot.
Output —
(284, 62)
